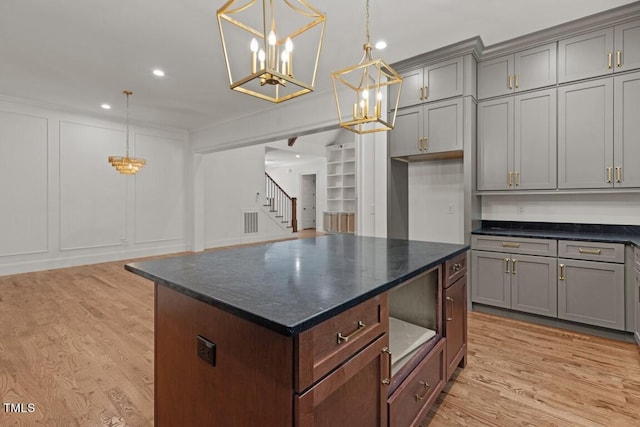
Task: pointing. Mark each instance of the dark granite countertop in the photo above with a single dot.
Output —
(626, 234)
(293, 285)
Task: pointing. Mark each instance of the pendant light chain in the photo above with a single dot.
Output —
(127, 92)
(367, 24)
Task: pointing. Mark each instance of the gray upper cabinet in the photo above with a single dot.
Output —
(586, 55)
(627, 46)
(431, 128)
(517, 142)
(530, 69)
(431, 83)
(626, 156)
(599, 52)
(585, 135)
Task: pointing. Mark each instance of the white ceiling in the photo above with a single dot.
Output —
(80, 53)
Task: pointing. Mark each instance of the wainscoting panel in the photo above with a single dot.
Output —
(159, 189)
(23, 184)
(93, 195)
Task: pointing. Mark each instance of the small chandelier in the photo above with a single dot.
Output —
(127, 165)
(260, 54)
(365, 87)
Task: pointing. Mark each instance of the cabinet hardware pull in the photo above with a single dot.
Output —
(420, 144)
(561, 275)
(342, 338)
(510, 245)
(420, 94)
(510, 178)
(514, 269)
(619, 58)
(457, 267)
(590, 251)
(618, 174)
(609, 170)
(517, 80)
(426, 388)
(510, 81)
(517, 178)
(506, 265)
(387, 380)
(426, 143)
(610, 61)
(450, 317)
(426, 92)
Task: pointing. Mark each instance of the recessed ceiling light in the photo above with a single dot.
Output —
(106, 106)
(158, 72)
(381, 45)
(297, 156)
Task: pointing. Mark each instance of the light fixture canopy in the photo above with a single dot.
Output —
(261, 40)
(127, 165)
(361, 92)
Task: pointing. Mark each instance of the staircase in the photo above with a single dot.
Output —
(283, 206)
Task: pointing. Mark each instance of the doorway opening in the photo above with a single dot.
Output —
(308, 202)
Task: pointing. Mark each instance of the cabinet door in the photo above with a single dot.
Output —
(637, 305)
(534, 285)
(591, 292)
(491, 278)
(443, 80)
(586, 55)
(411, 92)
(535, 68)
(627, 42)
(535, 141)
(626, 144)
(585, 135)
(455, 328)
(404, 139)
(352, 395)
(495, 77)
(443, 126)
(495, 144)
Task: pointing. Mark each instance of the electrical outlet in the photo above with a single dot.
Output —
(520, 210)
(450, 210)
(207, 350)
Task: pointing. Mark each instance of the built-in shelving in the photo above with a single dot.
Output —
(341, 188)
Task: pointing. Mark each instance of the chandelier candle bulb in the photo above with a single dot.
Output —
(289, 48)
(272, 51)
(378, 109)
(284, 59)
(254, 55)
(261, 58)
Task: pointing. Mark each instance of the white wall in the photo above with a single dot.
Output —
(436, 201)
(62, 202)
(620, 208)
(289, 177)
(233, 185)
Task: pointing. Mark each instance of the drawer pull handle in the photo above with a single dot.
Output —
(450, 302)
(342, 338)
(426, 391)
(387, 380)
(561, 276)
(510, 245)
(590, 251)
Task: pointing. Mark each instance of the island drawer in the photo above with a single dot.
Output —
(455, 268)
(411, 401)
(324, 347)
(591, 251)
(515, 245)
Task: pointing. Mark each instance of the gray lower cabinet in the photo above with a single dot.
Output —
(430, 128)
(637, 295)
(520, 282)
(585, 135)
(517, 142)
(591, 292)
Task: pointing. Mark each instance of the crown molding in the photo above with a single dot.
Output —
(473, 46)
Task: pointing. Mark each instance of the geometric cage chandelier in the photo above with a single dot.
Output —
(127, 165)
(361, 92)
(271, 47)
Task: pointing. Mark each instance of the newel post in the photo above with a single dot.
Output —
(294, 214)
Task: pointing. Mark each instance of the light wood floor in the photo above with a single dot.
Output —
(78, 343)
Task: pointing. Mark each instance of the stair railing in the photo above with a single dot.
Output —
(280, 203)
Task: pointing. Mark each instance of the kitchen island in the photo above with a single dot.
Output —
(298, 332)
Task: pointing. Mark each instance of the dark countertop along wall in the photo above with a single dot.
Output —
(293, 285)
(627, 234)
